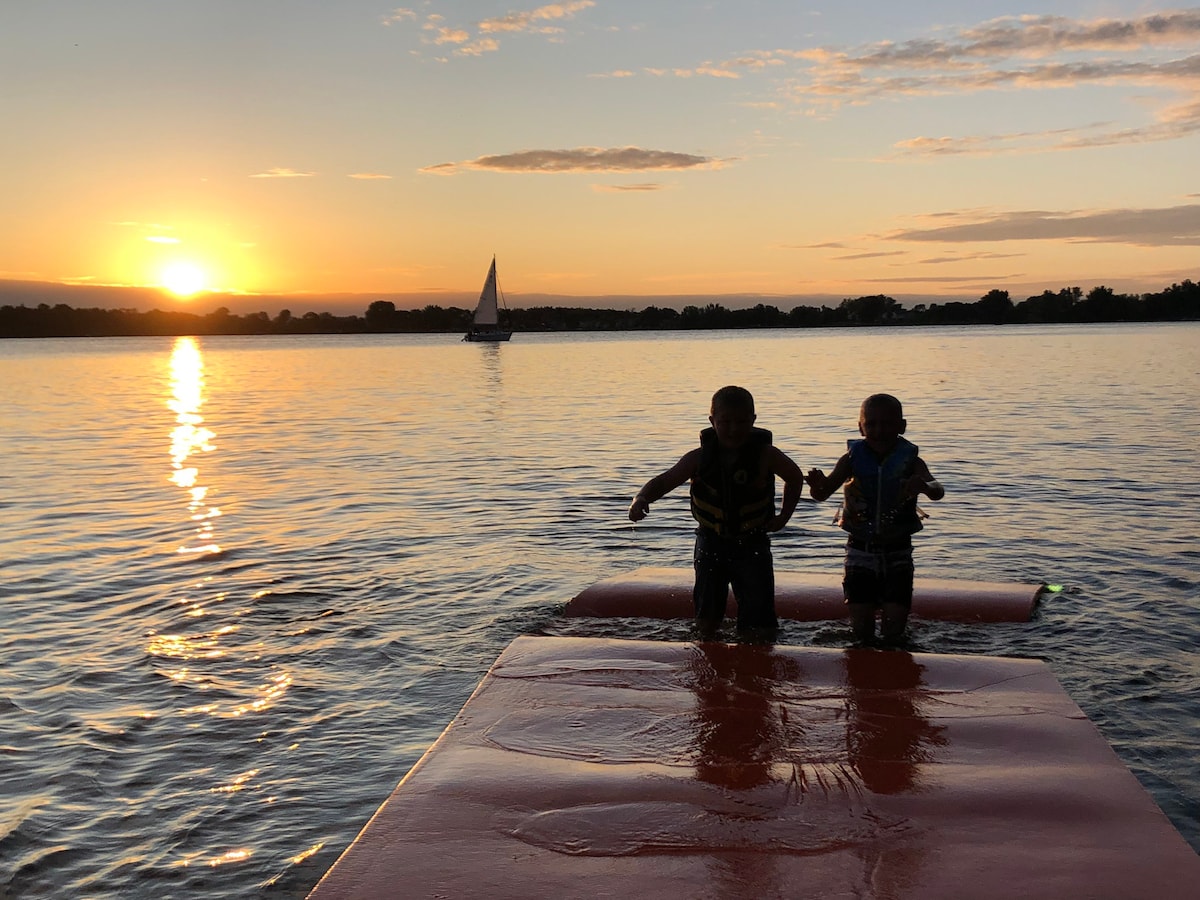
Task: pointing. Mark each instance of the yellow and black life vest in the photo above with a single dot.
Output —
(738, 497)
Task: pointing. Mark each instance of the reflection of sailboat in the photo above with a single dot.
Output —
(485, 325)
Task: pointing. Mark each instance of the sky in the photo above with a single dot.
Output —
(317, 155)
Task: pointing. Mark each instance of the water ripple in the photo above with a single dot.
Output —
(394, 511)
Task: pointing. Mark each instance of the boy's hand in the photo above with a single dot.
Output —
(777, 522)
(816, 481)
(639, 508)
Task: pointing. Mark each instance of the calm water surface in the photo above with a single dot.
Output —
(247, 581)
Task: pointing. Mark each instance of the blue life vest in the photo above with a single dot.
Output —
(738, 498)
(872, 508)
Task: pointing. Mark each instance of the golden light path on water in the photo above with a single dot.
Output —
(190, 437)
(215, 657)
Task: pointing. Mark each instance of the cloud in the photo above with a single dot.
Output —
(709, 70)
(531, 21)
(580, 159)
(1015, 53)
(965, 257)
(480, 37)
(871, 255)
(447, 35)
(283, 173)
(626, 188)
(981, 145)
(479, 47)
(1041, 35)
(853, 81)
(368, 176)
(824, 245)
(400, 14)
(1173, 226)
(1020, 37)
(964, 280)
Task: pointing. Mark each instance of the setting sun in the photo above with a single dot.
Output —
(184, 279)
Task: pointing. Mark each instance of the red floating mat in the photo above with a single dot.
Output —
(662, 593)
(586, 767)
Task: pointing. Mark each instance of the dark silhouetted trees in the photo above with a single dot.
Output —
(1179, 302)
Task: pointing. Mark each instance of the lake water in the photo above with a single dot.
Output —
(248, 581)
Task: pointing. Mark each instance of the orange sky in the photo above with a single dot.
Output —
(599, 149)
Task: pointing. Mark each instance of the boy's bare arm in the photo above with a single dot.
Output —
(922, 482)
(793, 485)
(661, 485)
(821, 486)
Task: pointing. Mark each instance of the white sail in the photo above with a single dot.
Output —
(486, 311)
(485, 324)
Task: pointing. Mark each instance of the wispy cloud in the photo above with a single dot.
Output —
(627, 188)
(398, 15)
(758, 61)
(1021, 53)
(964, 281)
(580, 159)
(973, 58)
(980, 145)
(443, 35)
(1172, 226)
(534, 19)
(965, 257)
(478, 38)
(824, 245)
(283, 173)
(1016, 53)
(369, 176)
(873, 254)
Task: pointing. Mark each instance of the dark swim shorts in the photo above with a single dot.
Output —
(742, 563)
(878, 576)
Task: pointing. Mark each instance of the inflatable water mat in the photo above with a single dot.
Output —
(586, 767)
(666, 593)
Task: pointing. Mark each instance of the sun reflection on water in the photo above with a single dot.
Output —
(189, 437)
(229, 857)
(219, 666)
(238, 783)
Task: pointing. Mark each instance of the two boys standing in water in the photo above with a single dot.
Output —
(732, 476)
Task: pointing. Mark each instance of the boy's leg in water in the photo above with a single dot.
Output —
(752, 574)
(862, 589)
(862, 621)
(893, 622)
(897, 596)
(711, 591)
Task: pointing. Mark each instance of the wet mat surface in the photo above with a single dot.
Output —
(593, 767)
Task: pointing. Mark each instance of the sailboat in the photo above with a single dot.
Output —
(485, 326)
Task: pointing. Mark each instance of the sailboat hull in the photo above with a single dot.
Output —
(487, 336)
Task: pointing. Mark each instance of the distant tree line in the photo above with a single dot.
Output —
(1179, 302)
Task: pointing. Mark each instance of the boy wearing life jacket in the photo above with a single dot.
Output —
(732, 475)
(882, 476)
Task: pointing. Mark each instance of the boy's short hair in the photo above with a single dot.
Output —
(884, 401)
(732, 395)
